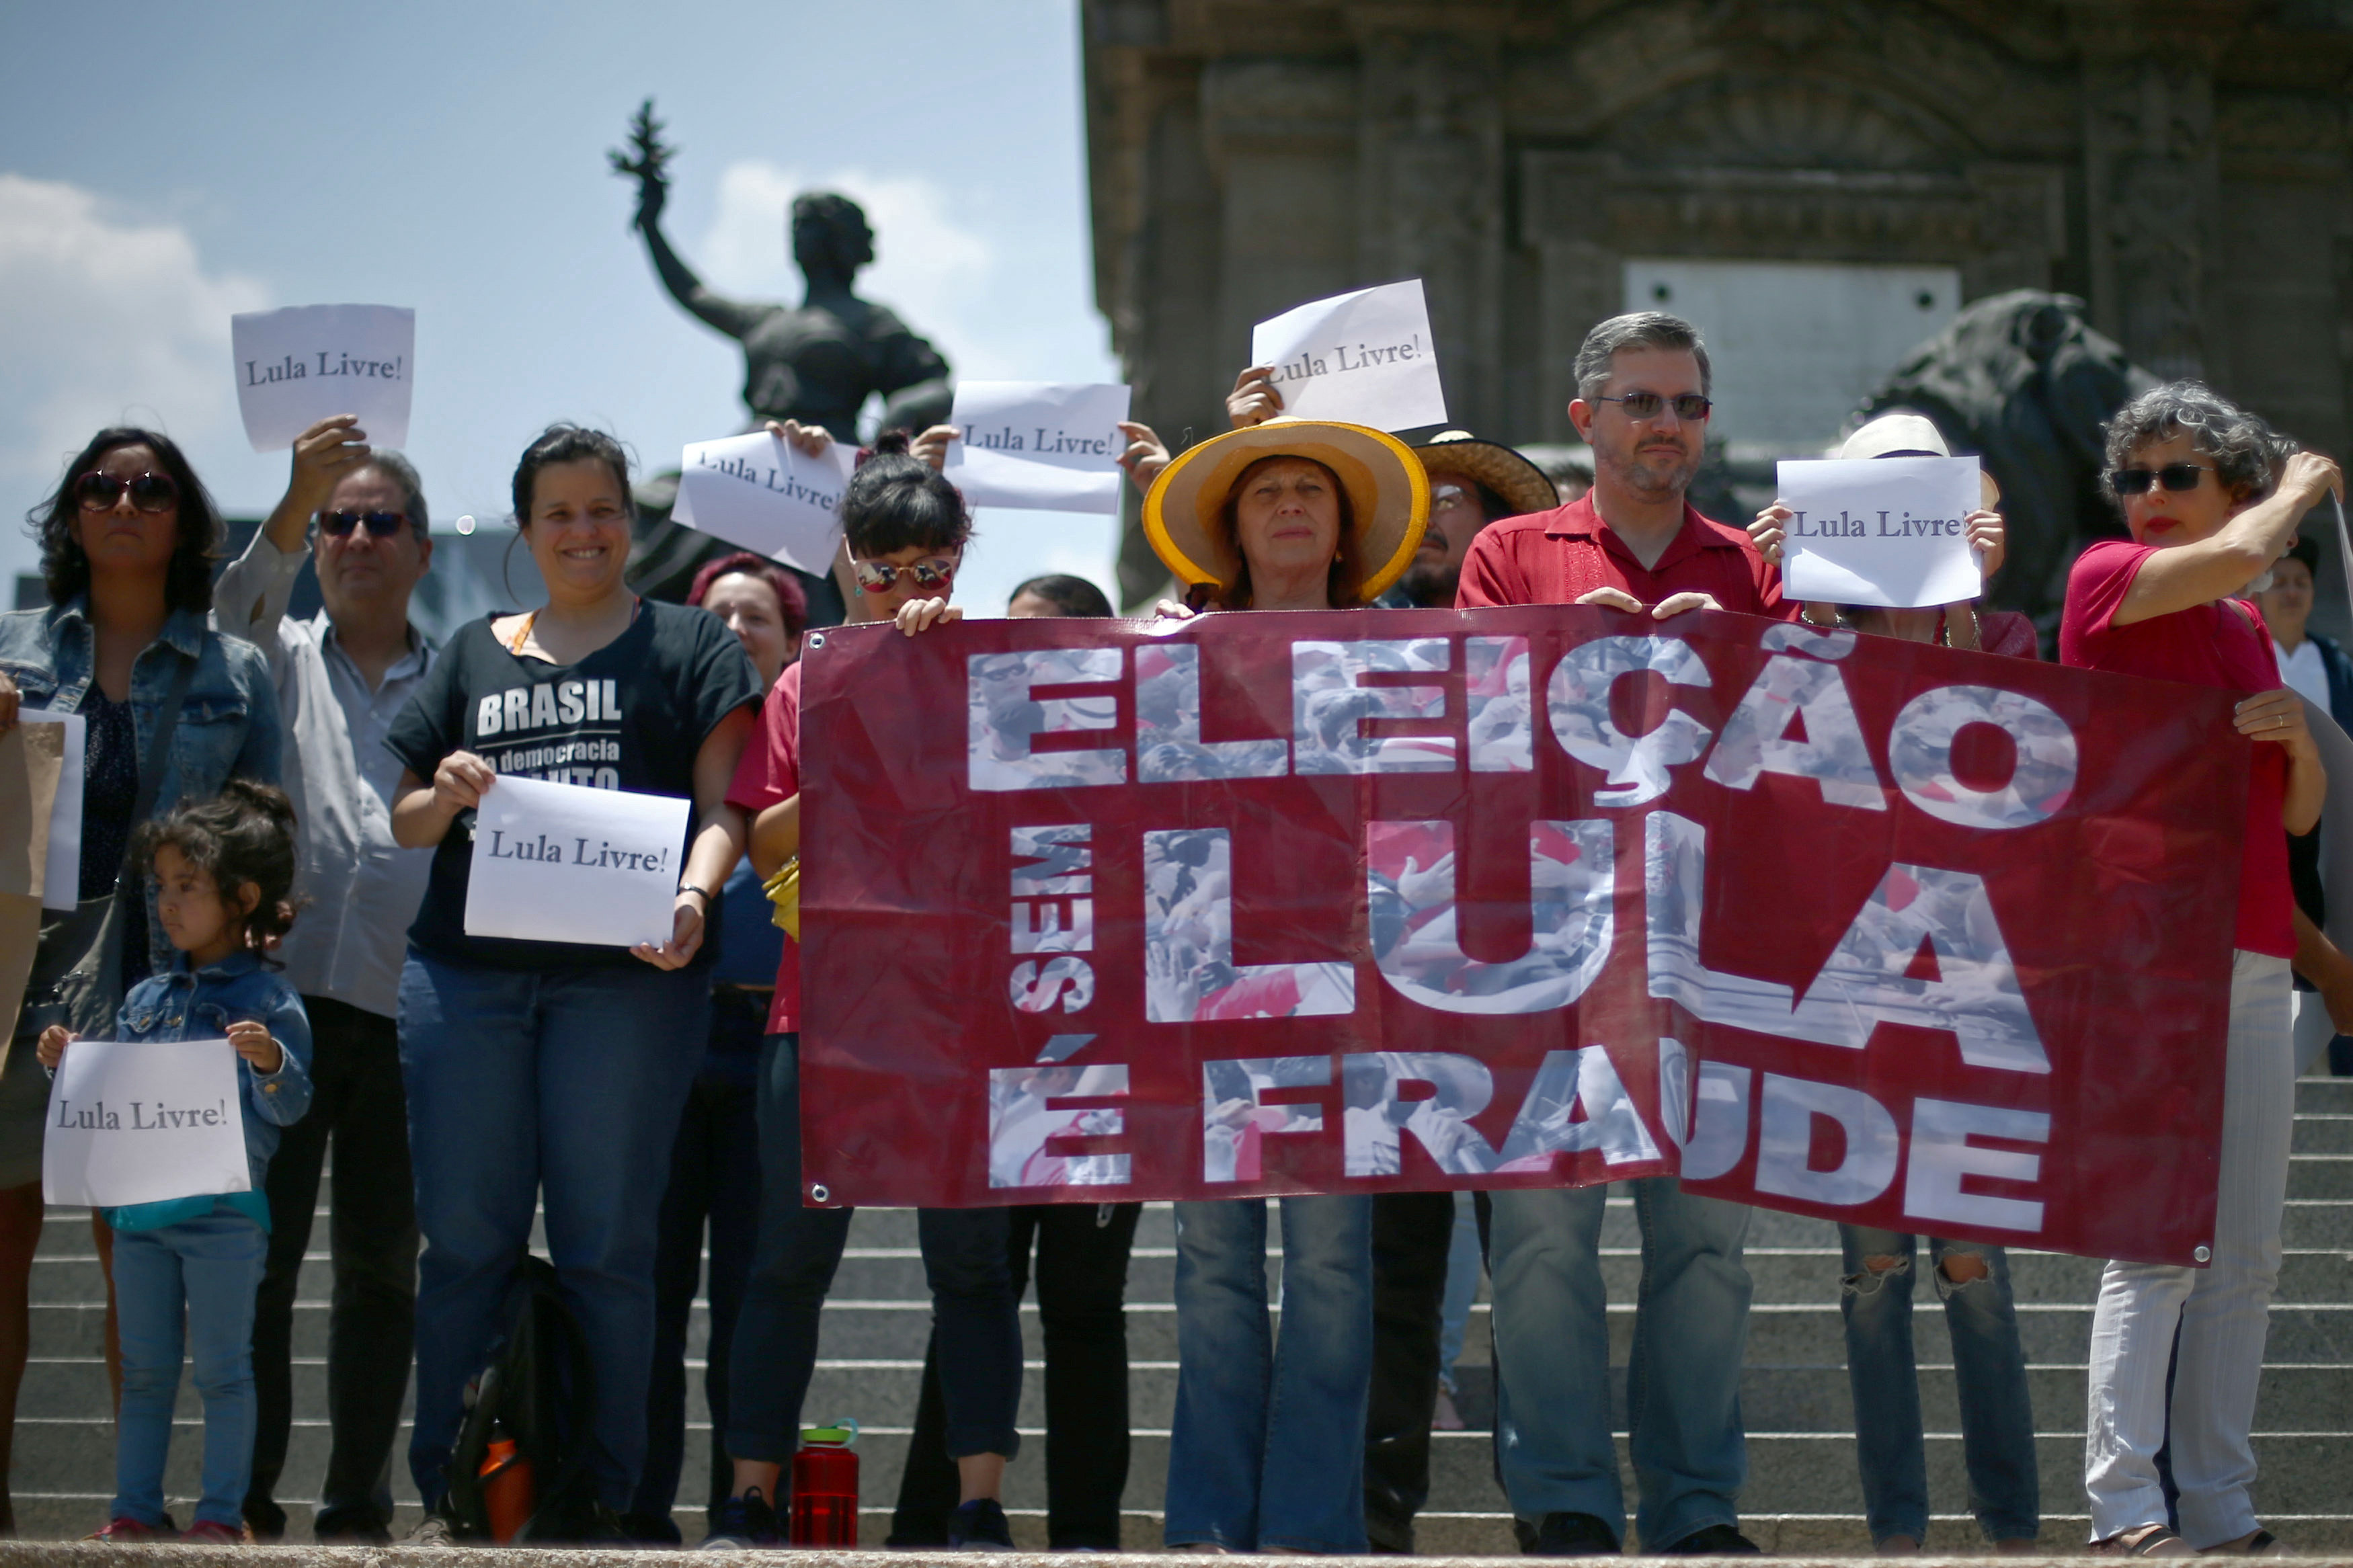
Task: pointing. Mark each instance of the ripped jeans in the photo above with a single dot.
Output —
(1990, 1368)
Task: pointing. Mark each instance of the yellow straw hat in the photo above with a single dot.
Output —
(1389, 497)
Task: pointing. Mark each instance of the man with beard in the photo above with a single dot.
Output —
(1634, 544)
(1472, 484)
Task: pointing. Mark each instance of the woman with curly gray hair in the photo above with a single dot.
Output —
(2211, 496)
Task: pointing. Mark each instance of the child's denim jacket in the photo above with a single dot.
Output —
(201, 1005)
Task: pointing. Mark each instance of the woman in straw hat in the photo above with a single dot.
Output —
(1267, 1449)
(1961, 625)
(1878, 1270)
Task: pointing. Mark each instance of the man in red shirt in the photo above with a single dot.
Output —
(1634, 544)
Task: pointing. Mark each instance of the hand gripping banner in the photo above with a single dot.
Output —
(1368, 901)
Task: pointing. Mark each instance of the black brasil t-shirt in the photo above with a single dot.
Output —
(630, 716)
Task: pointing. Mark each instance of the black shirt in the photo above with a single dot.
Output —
(630, 716)
(109, 793)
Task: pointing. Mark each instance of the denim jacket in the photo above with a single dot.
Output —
(228, 721)
(201, 1005)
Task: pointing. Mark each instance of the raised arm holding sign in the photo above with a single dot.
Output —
(1366, 358)
(297, 366)
(1038, 444)
(763, 493)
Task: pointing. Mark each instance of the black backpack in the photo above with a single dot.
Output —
(539, 1389)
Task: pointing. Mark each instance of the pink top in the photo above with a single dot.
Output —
(769, 774)
(2206, 645)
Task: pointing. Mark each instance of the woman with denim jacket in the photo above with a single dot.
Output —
(128, 540)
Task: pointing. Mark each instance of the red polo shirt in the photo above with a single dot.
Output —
(1557, 557)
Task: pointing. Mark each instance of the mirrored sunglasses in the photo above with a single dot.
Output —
(877, 577)
(1688, 406)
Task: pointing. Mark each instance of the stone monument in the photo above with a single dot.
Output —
(816, 363)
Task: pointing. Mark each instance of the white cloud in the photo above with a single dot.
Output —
(104, 318)
(929, 267)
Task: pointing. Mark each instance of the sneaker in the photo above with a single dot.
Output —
(979, 1526)
(432, 1532)
(129, 1531)
(211, 1532)
(743, 1522)
(1567, 1535)
(1712, 1541)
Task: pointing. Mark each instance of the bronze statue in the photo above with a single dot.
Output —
(2022, 381)
(816, 363)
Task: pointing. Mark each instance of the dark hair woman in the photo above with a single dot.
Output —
(171, 711)
(904, 528)
(2212, 497)
(714, 1163)
(554, 1070)
(1057, 594)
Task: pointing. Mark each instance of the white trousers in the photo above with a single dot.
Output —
(2219, 1310)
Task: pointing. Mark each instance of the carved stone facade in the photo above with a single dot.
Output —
(2184, 165)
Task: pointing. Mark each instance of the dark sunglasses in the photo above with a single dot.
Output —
(876, 577)
(383, 524)
(1690, 407)
(149, 493)
(2175, 477)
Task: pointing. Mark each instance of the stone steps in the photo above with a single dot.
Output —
(1803, 1496)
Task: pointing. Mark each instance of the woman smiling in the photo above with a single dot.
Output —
(560, 1066)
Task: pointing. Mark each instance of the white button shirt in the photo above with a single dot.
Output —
(356, 890)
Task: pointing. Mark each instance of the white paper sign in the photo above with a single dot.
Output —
(756, 491)
(138, 1122)
(1880, 531)
(557, 862)
(1038, 444)
(1366, 358)
(297, 366)
(61, 877)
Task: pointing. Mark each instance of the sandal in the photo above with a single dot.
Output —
(2261, 1543)
(2150, 1541)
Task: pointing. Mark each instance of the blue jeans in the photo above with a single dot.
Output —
(1997, 1419)
(565, 1087)
(1268, 1449)
(1464, 1263)
(974, 1313)
(191, 1282)
(1683, 1381)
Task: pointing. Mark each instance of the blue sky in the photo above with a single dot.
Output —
(165, 165)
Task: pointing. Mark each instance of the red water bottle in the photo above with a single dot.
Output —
(825, 1487)
(507, 1489)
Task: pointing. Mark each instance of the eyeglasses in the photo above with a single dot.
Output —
(2175, 477)
(383, 524)
(1689, 406)
(877, 577)
(149, 493)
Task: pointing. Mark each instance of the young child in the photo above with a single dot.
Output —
(223, 871)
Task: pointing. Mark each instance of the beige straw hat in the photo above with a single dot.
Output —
(1910, 435)
(1389, 496)
(1522, 485)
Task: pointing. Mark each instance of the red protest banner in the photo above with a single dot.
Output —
(1274, 903)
